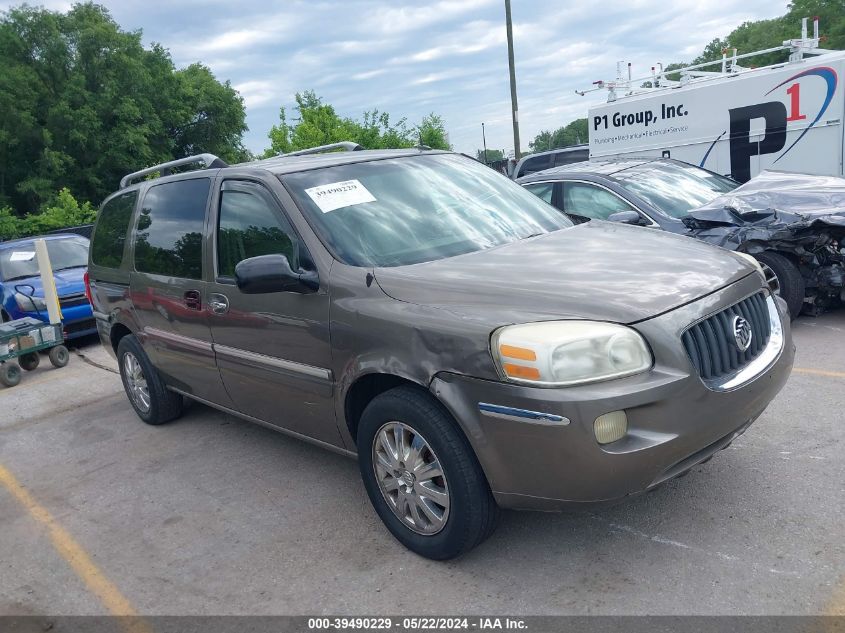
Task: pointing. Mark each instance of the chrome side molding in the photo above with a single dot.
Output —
(273, 362)
(234, 353)
(521, 415)
(178, 339)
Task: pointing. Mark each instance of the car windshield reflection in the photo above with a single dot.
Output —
(674, 188)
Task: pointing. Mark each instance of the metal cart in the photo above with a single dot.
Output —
(21, 340)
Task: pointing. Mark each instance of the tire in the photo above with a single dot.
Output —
(10, 374)
(470, 514)
(29, 361)
(59, 356)
(789, 280)
(144, 387)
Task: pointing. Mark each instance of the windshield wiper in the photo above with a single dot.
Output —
(69, 267)
(35, 274)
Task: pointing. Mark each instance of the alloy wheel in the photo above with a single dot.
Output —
(411, 478)
(136, 382)
(771, 279)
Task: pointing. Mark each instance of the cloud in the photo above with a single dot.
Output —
(441, 76)
(256, 93)
(52, 5)
(389, 18)
(410, 58)
(370, 74)
(235, 40)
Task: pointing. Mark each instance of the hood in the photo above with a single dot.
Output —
(597, 270)
(780, 197)
(68, 282)
(776, 209)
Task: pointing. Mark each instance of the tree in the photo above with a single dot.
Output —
(432, 132)
(319, 124)
(211, 116)
(574, 133)
(831, 19)
(82, 103)
(63, 210)
(492, 155)
(762, 34)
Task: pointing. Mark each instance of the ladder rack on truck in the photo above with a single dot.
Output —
(735, 120)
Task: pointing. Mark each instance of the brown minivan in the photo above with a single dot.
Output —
(472, 346)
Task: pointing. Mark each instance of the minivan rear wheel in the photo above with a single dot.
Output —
(422, 476)
(144, 387)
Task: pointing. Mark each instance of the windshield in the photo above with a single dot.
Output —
(674, 188)
(19, 260)
(408, 210)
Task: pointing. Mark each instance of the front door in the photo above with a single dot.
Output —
(273, 349)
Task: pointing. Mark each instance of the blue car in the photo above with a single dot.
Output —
(21, 292)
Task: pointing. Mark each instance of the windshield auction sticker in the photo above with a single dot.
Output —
(22, 256)
(339, 194)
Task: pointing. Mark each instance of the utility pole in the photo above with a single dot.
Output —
(484, 138)
(514, 106)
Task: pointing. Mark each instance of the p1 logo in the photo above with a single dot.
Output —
(775, 115)
(741, 146)
(831, 79)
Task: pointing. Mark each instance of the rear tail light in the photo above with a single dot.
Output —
(87, 288)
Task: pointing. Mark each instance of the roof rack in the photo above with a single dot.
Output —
(207, 160)
(347, 146)
(621, 87)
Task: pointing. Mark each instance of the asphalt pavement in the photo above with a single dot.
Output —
(100, 513)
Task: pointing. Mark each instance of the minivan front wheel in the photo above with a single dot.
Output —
(410, 478)
(145, 389)
(422, 476)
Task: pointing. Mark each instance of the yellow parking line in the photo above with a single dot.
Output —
(819, 372)
(114, 601)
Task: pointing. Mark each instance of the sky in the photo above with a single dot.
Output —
(444, 56)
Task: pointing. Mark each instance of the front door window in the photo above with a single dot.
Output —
(590, 201)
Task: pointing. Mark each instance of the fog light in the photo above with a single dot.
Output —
(610, 427)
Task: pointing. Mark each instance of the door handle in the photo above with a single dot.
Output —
(192, 300)
(218, 303)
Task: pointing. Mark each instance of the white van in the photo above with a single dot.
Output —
(736, 122)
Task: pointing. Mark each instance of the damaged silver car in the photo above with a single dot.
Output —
(793, 224)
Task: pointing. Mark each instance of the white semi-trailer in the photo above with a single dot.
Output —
(736, 121)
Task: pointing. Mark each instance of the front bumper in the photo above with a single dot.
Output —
(674, 420)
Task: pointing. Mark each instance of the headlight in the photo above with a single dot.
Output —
(25, 302)
(752, 260)
(556, 353)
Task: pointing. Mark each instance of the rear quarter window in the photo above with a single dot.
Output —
(169, 235)
(111, 230)
(575, 156)
(537, 163)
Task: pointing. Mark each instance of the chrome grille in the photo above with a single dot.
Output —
(712, 345)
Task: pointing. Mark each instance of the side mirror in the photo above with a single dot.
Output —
(272, 273)
(625, 217)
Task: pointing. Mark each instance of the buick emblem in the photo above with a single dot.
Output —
(742, 333)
